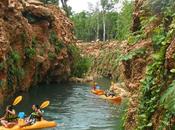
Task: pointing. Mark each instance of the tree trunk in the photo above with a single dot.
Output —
(98, 28)
(104, 27)
(65, 7)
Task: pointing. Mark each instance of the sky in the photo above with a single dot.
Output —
(80, 5)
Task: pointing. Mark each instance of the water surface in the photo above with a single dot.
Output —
(75, 106)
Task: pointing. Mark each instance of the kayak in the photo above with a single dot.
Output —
(38, 125)
(100, 93)
(115, 98)
(97, 92)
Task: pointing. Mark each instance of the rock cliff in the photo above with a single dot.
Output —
(34, 40)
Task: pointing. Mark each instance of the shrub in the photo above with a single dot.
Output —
(80, 64)
(51, 56)
(30, 52)
(56, 42)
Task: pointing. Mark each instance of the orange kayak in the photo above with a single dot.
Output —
(97, 92)
(115, 98)
(38, 125)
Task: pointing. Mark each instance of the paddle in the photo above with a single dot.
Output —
(44, 104)
(17, 100)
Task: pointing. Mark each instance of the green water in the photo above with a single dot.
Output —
(75, 106)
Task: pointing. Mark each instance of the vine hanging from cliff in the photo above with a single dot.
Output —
(154, 82)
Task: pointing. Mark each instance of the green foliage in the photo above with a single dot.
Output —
(158, 37)
(124, 21)
(132, 54)
(80, 64)
(85, 26)
(136, 37)
(159, 6)
(30, 52)
(56, 2)
(24, 37)
(152, 85)
(140, 35)
(10, 77)
(34, 42)
(14, 57)
(14, 71)
(2, 66)
(89, 25)
(145, 21)
(56, 42)
(65, 6)
(52, 56)
(1, 83)
(168, 98)
(107, 4)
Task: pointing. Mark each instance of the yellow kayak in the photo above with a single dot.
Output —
(38, 125)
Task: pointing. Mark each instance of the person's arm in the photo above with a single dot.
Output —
(2, 118)
(40, 112)
(11, 112)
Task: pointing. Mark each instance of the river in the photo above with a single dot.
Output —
(75, 106)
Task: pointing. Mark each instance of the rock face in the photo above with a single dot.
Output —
(148, 76)
(33, 45)
(146, 64)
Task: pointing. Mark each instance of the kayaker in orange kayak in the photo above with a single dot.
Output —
(10, 118)
(36, 115)
(111, 91)
(95, 86)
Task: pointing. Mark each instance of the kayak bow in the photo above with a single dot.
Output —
(38, 125)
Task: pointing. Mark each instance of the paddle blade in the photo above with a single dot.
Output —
(17, 100)
(45, 104)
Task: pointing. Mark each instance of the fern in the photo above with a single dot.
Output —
(56, 42)
(30, 52)
(133, 54)
(168, 98)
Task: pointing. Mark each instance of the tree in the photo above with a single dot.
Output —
(106, 5)
(56, 2)
(90, 25)
(124, 21)
(65, 7)
(84, 26)
(96, 18)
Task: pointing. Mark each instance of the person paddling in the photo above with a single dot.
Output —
(95, 86)
(36, 115)
(111, 91)
(10, 118)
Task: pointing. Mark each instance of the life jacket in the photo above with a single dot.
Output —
(36, 116)
(10, 117)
